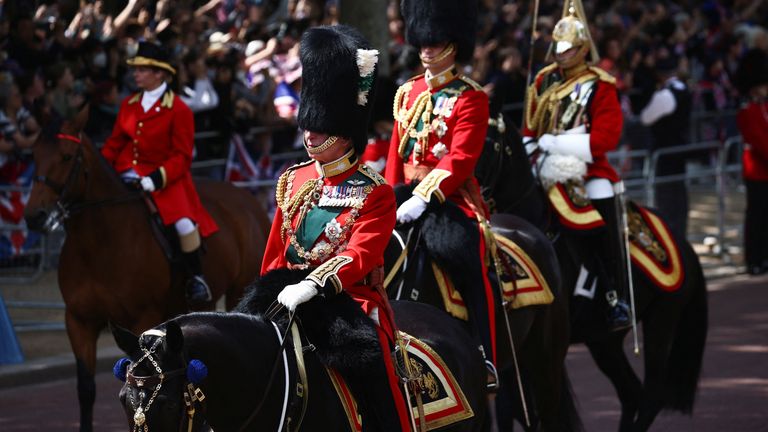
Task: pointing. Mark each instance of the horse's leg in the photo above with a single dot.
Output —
(658, 334)
(82, 336)
(611, 360)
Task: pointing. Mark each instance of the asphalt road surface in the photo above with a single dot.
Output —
(733, 393)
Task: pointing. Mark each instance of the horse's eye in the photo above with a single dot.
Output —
(66, 157)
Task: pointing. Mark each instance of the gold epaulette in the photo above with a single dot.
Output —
(135, 98)
(167, 99)
(603, 75)
(375, 177)
(545, 70)
(472, 83)
(415, 77)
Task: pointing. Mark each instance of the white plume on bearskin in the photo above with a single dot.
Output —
(558, 168)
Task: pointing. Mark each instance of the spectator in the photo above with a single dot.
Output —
(752, 78)
(197, 90)
(66, 98)
(668, 114)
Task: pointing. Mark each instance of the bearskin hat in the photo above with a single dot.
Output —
(752, 70)
(431, 22)
(339, 70)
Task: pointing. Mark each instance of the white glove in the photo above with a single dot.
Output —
(571, 144)
(147, 184)
(410, 210)
(294, 295)
(547, 142)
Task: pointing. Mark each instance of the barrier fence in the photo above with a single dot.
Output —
(637, 167)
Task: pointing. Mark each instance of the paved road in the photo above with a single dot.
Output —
(733, 394)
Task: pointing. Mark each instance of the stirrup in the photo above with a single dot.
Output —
(197, 290)
(493, 377)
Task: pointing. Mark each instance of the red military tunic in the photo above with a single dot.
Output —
(753, 124)
(451, 147)
(161, 139)
(340, 223)
(438, 136)
(595, 91)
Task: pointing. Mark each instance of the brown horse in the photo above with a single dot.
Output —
(112, 267)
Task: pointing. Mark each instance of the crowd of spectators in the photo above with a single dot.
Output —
(238, 68)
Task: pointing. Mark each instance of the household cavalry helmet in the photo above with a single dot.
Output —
(572, 31)
(338, 75)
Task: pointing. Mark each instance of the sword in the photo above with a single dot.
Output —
(619, 190)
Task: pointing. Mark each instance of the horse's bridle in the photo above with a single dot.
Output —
(64, 207)
(192, 393)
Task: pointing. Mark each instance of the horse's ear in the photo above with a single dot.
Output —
(173, 336)
(80, 119)
(127, 341)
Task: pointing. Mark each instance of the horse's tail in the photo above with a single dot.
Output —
(687, 351)
(569, 412)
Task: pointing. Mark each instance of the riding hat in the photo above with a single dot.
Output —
(339, 70)
(152, 55)
(432, 22)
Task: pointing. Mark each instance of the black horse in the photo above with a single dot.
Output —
(244, 383)
(674, 323)
(540, 333)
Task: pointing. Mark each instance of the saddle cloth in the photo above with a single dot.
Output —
(443, 400)
(653, 249)
(527, 286)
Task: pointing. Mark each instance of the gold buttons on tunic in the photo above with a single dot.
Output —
(134, 162)
(141, 124)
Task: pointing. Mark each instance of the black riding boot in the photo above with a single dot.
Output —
(612, 256)
(196, 288)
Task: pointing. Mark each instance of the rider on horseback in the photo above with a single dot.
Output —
(572, 119)
(152, 143)
(441, 118)
(335, 214)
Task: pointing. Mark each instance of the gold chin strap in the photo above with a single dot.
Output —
(328, 143)
(449, 49)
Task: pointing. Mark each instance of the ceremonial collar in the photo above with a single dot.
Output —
(442, 78)
(339, 166)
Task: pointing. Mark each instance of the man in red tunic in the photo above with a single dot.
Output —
(572, 120)
(441, 118)
(334, 214)
(152, 143)
(752, 78)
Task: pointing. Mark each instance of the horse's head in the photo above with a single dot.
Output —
(60, 173)
(160, 391)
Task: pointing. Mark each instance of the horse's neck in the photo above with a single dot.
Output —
(106, 203)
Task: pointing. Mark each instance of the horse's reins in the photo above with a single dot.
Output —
(282, 339)
(61, 190)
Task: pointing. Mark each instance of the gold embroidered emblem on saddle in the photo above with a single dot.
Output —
(577, 193)
(639, 232)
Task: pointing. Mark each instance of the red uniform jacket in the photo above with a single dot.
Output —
(161, 139)
(359, 204)
(465, 125)
(603, 122)
(753, 124)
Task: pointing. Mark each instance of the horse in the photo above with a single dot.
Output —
(250, 369)
(112, 266)
(674, 323)
(540, 333)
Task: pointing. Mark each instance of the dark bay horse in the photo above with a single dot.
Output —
(674, 323)
(246, 386)
(540, 333)
(112, 268)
